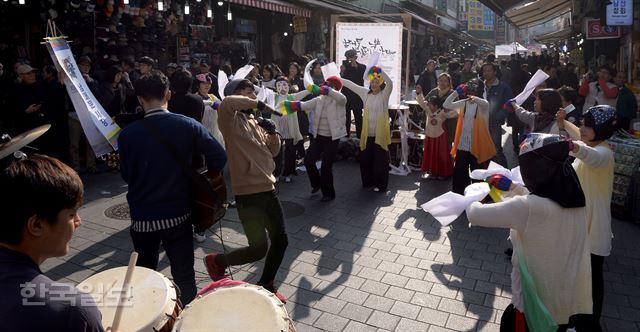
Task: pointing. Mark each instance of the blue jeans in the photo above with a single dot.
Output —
(496, 135)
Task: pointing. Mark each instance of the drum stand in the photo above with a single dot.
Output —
(403, 168)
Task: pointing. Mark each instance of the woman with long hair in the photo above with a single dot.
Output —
(269, 77)
(294, 76)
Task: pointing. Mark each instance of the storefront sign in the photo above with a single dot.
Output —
(594, 30)
(101, 131)
(620, 12)
(366, 38)
(299, 24)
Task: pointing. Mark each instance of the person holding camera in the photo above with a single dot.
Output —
(251, 144)
(353, 71)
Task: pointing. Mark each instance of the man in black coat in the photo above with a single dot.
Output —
(353, 71)
(427, 80)
(182, 100)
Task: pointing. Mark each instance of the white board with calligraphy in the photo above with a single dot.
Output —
(366, 38)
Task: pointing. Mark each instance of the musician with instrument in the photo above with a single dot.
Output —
(251, 145)
(156, 161)
(40, 197)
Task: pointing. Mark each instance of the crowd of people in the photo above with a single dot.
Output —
(256, 129)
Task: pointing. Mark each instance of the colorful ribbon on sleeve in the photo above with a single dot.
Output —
(313, 89)
(290, 107)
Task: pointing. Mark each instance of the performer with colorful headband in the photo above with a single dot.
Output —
(550, 274)
(288, 126)
(594, 165)
(328, 126)
(376, 133)
(472, 145)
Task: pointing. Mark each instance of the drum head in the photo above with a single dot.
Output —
(150, 300)
(239, 308)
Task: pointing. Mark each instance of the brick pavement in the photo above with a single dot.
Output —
(366, 261)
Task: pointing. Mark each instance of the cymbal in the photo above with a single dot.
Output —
(18, 142)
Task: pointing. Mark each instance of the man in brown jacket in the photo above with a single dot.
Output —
(251, 145)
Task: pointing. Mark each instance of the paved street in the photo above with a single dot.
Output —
(366, 261)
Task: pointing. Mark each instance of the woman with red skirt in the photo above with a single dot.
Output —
(436, 160)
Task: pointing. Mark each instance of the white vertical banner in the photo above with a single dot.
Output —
(367, 38)
(101, 131)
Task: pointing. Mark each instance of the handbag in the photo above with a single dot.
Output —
(207, 195)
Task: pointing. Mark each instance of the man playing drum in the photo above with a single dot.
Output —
(159, 184)
(40, 198)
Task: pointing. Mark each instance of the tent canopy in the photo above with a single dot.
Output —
(508, 49)
(537, 12)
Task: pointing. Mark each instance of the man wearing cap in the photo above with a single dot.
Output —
(427, 80)
(171, 68)
(30, 107)
(75, 128)
(251, 145)
(145, 65)
(353, 71)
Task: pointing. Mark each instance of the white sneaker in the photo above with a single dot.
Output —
(376, 189)
(200, 237)
(287, 179)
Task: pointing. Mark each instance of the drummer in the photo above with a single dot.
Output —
(40, 198)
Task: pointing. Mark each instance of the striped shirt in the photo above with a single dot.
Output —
(145, 226)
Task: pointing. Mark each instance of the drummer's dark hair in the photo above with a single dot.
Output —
(37, 186)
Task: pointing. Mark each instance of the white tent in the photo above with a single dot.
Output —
(508, 49)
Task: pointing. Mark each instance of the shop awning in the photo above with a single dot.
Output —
(554, 36)
(537, 12)
(500, 6)
(275, 6)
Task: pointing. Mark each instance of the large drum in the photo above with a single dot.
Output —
(232, 306)
(151, 300)
(416, 115)
(395, 112)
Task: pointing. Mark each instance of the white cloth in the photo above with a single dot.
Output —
(375, 104)
(553, 241)
(538, 78)
(271, 84)
(596, 96)
(594, 166)
(210, 120)
(331, 108)
(470, 110)
(287, 125)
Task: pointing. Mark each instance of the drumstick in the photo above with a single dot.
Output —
(125, 286)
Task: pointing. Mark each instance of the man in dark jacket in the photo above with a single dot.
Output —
(182, 101)
(353, 71)
(30, 107)
(496, 93)
(427, 80)
(159, 189)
